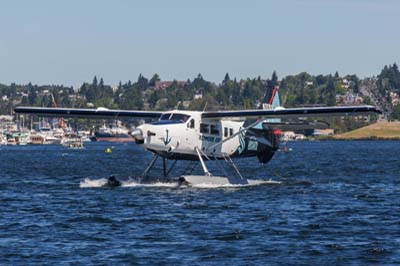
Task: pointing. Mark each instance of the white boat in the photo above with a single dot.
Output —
(85, 136)
(72, 141)
(112, 133)
(3, 140)
(48, 135)
(16, 137)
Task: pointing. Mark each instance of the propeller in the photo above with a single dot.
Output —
(137, 134)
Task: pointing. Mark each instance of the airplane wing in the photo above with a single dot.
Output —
(295, 112)
(87, 113)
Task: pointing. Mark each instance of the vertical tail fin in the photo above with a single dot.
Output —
(274, 100)
(271, 99)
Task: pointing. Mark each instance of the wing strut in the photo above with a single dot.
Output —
(229, 160)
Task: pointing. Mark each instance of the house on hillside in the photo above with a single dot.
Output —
(161, 102)
(394, 97)
(346, 83)
(166, 84)
(198, 96)
(349, 98)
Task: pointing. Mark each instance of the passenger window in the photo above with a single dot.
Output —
(225, 132)
(191, 124)
(204, 128)
(214, 130)
(230, 131)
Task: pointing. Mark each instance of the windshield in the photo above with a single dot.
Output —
(181, 118)
(165, 116)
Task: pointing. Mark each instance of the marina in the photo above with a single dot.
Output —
(12, 133)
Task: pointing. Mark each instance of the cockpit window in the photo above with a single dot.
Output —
(191, 123)
(165, 116)
(181, 118)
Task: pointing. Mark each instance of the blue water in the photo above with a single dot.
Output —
(338, 204)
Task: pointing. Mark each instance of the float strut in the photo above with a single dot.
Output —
(151, 164)
(202, 163)
(164, 167)
(172, 166)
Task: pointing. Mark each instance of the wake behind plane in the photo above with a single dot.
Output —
(202, 136)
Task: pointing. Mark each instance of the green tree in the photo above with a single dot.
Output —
(142, 82)
(331, 95)
(94, 83)
(154, 80)
(396, 112)
(226, 79)
(336, 75)
(31, 94)
(274, 79)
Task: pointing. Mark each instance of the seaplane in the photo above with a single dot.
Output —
(203, 136)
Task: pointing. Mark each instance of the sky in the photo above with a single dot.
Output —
(69, 42)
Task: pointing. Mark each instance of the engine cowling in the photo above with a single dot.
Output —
(266, 152)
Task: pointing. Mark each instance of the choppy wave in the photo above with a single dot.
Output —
(88, 183)
(251, 182)
(96, 183)
(133, 183)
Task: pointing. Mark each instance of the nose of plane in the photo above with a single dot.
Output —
(137, 133)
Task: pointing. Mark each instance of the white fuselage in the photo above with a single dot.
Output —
(180, 132)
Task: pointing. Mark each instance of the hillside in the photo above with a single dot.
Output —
(380, 130)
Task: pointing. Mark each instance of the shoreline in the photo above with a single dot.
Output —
(376, 131)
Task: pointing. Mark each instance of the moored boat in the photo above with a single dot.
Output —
(72, 141)
(112, 134)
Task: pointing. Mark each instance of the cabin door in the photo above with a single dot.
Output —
(190, 137)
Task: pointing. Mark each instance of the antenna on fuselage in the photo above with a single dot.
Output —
(205, 106)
